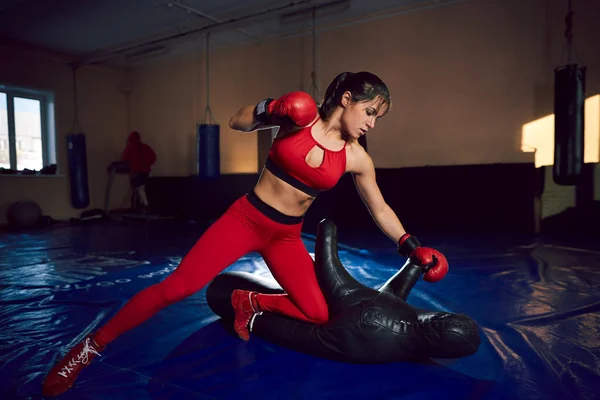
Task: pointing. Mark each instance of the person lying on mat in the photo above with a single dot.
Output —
(314, 147)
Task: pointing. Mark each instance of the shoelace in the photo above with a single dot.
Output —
(82, 358)
(255, 313)
(250, 323)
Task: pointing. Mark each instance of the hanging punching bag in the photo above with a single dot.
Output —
(78, 176)
(569, 105)
(208, 151)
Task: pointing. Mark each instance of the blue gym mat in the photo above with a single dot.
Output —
(536, 302)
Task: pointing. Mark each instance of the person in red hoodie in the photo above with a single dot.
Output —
(140, 157)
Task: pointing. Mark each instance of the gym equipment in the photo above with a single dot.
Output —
(24, 214)
(78, 176)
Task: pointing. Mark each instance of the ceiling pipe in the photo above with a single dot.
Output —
(113, 53)
(147, 53)
(322, 9)
(192, 10)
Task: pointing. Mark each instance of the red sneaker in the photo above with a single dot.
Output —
(62, 376)
(245, 311)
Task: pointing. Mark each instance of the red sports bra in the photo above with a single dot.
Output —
(287, 160)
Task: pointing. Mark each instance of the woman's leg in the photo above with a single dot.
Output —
(221, 245)
(230, 237)
(293, 268)
(138, 183)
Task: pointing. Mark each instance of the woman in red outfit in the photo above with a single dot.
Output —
(140, 158)
(314, 147)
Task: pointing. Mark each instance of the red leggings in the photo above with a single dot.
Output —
(248, 225)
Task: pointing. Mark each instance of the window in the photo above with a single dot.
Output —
(538, 136)
(27, 139)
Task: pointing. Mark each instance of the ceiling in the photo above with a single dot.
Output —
(126, 32)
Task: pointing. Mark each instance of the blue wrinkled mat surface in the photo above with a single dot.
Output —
(536, 303)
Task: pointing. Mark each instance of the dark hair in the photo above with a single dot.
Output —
(363, 86)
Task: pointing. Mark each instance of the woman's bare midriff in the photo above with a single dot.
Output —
(281, 195)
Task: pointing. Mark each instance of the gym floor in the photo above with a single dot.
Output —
(535, 300)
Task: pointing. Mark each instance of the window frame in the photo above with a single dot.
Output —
(47, 126)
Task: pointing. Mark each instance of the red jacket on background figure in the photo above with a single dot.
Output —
(139, 155)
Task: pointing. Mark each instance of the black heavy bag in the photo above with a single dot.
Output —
(78, 176)
(365, 325)
(208, 151)
(569, 106)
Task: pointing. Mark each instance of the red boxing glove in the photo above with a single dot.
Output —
(299, 107)
(433, 262)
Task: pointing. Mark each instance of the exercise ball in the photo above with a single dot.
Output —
(24, 214)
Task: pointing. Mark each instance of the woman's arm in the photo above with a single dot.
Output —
(245, 120)
(298, 107)
(366, 184)
(434, 262)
